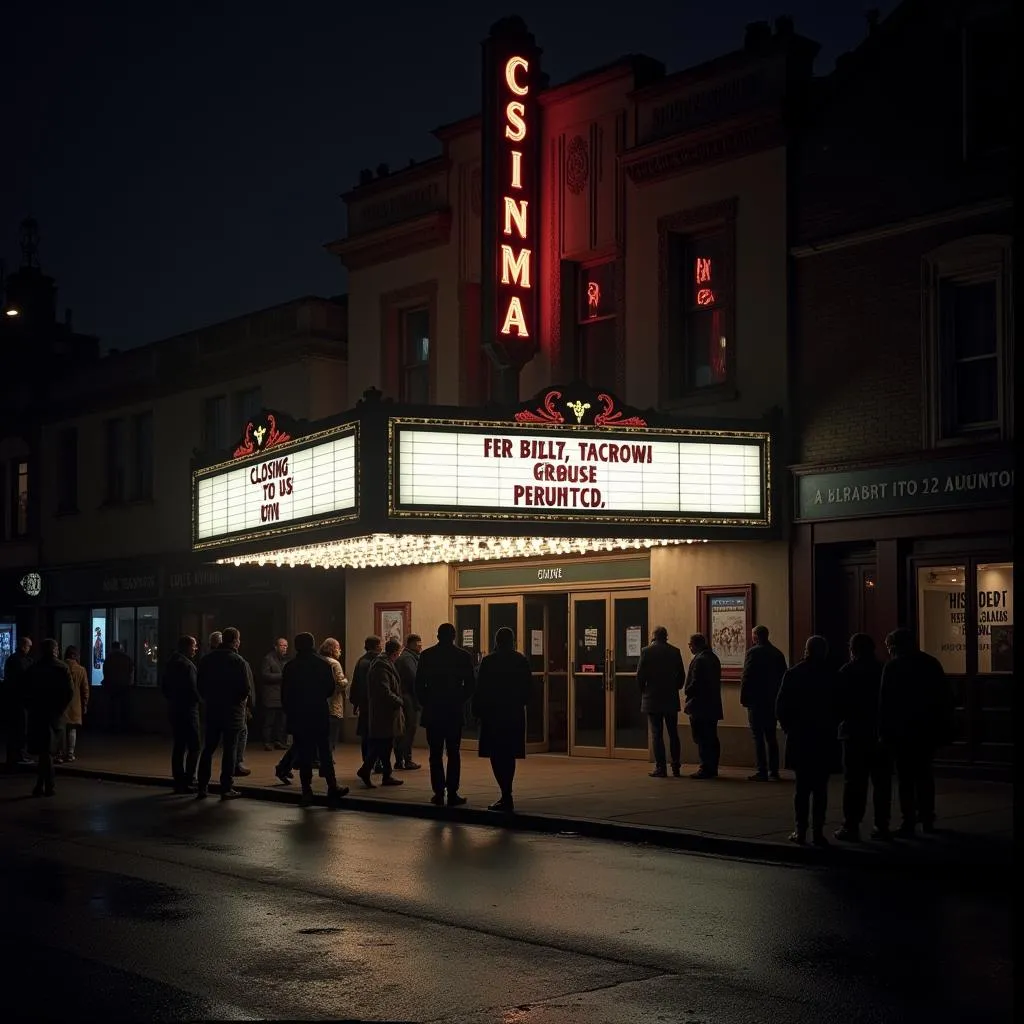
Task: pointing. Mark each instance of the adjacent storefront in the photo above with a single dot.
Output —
(577, 523)
(929, 545)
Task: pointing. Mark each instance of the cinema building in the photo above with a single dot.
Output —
(567, 387)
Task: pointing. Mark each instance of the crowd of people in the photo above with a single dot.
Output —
(865, 720)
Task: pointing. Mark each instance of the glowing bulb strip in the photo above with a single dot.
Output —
(387, 549)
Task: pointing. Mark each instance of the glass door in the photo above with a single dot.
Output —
(608, 632)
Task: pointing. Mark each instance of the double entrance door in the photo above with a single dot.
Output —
(583, 650)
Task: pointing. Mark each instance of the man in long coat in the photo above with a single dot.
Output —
(407, 664)
(180, 687)
(661, 674)
(383, 707)
(48, 693)
(807, 713)
(702, 701)
(502, 693)
(763, 669)
(275, 734)
(357, 692)
(224, 684)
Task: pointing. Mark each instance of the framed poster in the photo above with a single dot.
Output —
(392, 621)
(725, 616)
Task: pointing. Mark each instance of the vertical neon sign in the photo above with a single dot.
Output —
(510, 133)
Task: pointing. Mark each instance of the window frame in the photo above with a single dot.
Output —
(969, 260)
(140, 482)
(216, 444)
(676, 232)
(406, 367)
(583, 324)
(242, 415)
(21, 513)
(114, 488)
(394, 305)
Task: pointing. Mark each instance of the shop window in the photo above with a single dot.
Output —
(8, 641)
(697, 301)
(596, 324)
(142, 456)
(216, 433)
(248, 406)
(942, 615)
(415, 342)
(98, 634)
(67, 470)
(988, 60)
(995, 618)
(147, 632)
(137, 630)
(116, 461)
(967, 321)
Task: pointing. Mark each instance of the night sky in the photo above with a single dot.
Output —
(185, 160)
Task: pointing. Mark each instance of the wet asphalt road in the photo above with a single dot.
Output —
(142, 905)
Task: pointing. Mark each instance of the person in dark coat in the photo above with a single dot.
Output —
(307, 684)
(275, 734)
(763, 669)
(445, 681)
(180, 687)
(224, 682)
(499, 702)
(660, 674)
(864, 756)
(357, 693)
(117, 680)
(15, 715)
(49, 691)
(385, 716)
(915, 717)
(807, 713)
(408, 662)
(702, 701)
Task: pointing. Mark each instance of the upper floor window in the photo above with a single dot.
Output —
(216, 435)
(415, 346)
(19, 498)
(67, 470)
(968, 357)
(248, 406)
(596, 324)
(988, 61)
(142, 456)
(116, 461)
(698, 301)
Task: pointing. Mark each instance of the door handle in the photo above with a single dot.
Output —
(609, 667)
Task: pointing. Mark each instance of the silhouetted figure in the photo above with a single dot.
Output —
(357, 692)
(915, 717)
(15, 710)
(307, 684)
(241, 768)
(74, 717)
(275, 735)
(864, 756)
(763, 669)
(502, 693)
(180, 687)
(806, 712)
(224, 681)
(49, 692)
(445, 681)
(407, 664)
(117, 681)
(660, 674)
(702, 701)
(384, 715)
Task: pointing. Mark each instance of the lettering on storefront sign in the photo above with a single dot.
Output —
(550, 573)
(312, 483)
(651, 476)
(127, 584)
(948, 484)
(194, 578)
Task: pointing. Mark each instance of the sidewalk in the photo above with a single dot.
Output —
(616, 800)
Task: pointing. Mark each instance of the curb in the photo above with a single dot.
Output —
(889, 857)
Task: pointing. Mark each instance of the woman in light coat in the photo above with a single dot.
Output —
(330, 651)
(75, 714)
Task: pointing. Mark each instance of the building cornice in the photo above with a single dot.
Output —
(398, 179)
(373, 247)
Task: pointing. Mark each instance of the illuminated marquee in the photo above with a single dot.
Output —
(307, 483)
(482, 471)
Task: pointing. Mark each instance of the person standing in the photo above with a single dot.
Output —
(275, 735)
(763, 669)
(75, 714)
(15, 710)
(806, 711)
(407, 664)
(357, 692)
(660, 674)
(702, 696)
(180, 688)
(384, 715)
(241, 768)
(445, 681)
(915, 718)
(857, 693)
(223, 684)
(330, 651)
(49, 692)
(117, 680)
(502, 693)
(307, 684)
